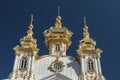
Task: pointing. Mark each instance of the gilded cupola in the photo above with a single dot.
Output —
(87, 43)
(58, 33)
(28, 41)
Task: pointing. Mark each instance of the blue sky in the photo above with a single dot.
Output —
(103, 18)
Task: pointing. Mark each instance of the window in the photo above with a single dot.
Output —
(57, 47)
(90, 65)
(57, 66)
(23, 62)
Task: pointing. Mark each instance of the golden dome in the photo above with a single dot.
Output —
(87, 44)
(28, 42)
(58, 33)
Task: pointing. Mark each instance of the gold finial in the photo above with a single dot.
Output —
(58, 23)
(86, 33)
(30, 31)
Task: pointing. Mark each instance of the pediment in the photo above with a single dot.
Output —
(56, 76)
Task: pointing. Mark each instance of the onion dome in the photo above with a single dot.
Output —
(28, 42)
(87, 43)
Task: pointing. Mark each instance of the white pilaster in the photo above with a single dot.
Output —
(15, 68)
(85, 64)
(82, 65)
(29, 65)
(99, 66)
(15, 63)
(96, 65)
(32, 63)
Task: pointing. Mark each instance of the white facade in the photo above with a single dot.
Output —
(56, 65)
(71, 69)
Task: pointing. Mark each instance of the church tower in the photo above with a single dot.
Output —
(89, 57)
(25, 57)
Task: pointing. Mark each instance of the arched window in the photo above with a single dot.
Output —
(57, 47)
(23, 62)
(90, 65)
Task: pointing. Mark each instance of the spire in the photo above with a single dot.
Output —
(87, 44)
(58, 10)
(84, 21)
(58, 23)
(28, 40)
(30, 31)
(58, 35)
(86, 33)
(31, 20)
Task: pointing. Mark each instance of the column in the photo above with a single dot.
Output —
(82, 65)
(82, 58)
(15, 63)
(85, 65)
(99, 65)
(96, 65)
(32, 66)
(29, 64)
(32, 63)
